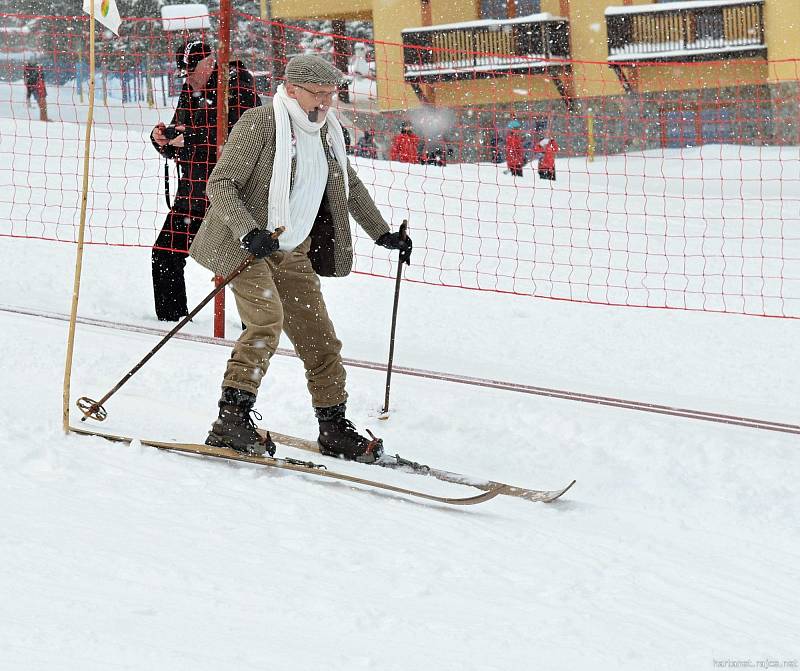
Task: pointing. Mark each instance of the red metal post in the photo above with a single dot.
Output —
(41, 94)
(223, 56)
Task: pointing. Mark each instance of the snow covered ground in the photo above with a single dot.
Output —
(678, 547)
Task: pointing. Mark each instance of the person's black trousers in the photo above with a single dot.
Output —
(168, 261)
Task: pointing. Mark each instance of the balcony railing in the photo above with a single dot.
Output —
(484, 48)
(673, 31)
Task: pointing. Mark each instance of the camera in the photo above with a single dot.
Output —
(170, 132)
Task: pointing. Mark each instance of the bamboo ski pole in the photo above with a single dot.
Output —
(385, 411)
(76, 286)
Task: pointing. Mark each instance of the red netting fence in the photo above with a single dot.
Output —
(682, 192)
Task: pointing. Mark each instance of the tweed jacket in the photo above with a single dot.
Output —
(238, 190)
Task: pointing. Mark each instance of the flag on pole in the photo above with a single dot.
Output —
(106, 12)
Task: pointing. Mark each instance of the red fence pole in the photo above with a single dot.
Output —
(223, 56)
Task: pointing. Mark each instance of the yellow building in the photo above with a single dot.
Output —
(566, 59)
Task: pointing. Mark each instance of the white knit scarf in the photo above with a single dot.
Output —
(288, 112)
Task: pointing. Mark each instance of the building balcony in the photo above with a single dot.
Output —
(487, 48)
(686, 31)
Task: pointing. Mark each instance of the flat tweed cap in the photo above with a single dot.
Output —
(310, 69)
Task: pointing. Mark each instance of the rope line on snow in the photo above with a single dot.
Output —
(609, 401)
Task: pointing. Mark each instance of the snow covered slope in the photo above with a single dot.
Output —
(678, 547)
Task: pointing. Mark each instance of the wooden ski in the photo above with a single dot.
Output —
(535, 495)
(307, 468)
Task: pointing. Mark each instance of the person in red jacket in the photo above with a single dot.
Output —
(548, 147)
(515, 152)
(405, 145)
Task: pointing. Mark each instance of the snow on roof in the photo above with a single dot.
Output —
(675, 53)
(185, 17)
(531, 18)
(456, 67)
(680, 4)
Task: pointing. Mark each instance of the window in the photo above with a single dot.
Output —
(525, 7)
(691, 127)
(710, 27)
(494, 9)
(680, 129)
(716, 125)
(503, 9)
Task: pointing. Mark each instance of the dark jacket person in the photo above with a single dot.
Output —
(191, 141)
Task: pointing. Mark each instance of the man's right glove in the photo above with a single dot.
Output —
(396, 241)
(260, 243)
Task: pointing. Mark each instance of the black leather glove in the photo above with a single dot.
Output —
(395, 241)
(260, 243)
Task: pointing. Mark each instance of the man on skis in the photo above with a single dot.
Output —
(285, 167)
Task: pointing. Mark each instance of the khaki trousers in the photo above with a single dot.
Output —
(282, 293)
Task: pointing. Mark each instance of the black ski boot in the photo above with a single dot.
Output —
(339, 438)
(235, 428)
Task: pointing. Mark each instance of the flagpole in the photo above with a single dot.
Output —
(81, 229)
